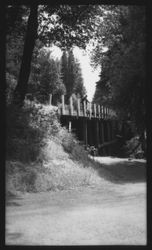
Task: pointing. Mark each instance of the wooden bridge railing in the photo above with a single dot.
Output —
(99, 132)
(84, 109)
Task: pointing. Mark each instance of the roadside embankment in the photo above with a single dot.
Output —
(42, 155)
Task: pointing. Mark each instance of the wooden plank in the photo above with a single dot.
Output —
(75, 113)
(90, 110)
(108, 131)
(102, 108)
(100, 111)
(70, 126)
(97, 132)
(94, 107)
(98, 107)
(63, 105)
(59, 110)
(78, 106)
(85, 132)
(112, 129)
(84, 109)
(102, 132)
(50, 99)
(71, 106)
(102, 135)
(108, 113)
(105, 112)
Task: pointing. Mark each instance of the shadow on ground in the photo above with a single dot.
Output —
(13, 236)
(123, 172)
(12, 199)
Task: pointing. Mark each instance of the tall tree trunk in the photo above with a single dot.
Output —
(31, 35)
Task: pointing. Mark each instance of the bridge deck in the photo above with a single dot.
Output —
(81, 114)
(90, 110)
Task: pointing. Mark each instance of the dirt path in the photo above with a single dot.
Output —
(111, 215)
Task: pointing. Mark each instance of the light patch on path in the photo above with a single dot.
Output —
(111, 160)
(114, 214)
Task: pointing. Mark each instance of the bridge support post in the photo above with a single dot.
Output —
(78, 107)
(70, 126)
(71, 105)
(85, 132)
(84, 109)
(102, 136)
(109, 131)
(112, 133)
(97, 133)
(50, 99)
(108, 135)
(63, 105)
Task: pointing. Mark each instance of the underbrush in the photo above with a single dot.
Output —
(133, 148)
(55, 175)
(42, 155)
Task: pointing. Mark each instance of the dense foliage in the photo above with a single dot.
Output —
(72, 75)
(122, 79)
(63, 25)
(45, 78)
(27, 129)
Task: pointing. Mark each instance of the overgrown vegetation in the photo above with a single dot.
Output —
(62, 25)
(120, 51)
(42, 155)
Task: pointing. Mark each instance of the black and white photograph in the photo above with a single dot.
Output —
(76, 135)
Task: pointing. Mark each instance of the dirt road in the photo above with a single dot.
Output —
(113, 214)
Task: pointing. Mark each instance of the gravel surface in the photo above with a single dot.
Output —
(110, 214)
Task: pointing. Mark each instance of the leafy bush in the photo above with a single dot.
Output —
(133, 148)
(72, 146)
(27, 127)
(42, 155)
(20, 176)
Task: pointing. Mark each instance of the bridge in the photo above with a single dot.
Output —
(94, 125)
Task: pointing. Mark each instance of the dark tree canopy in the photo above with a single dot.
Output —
(62, 25)
(45, 78)
(122, 79)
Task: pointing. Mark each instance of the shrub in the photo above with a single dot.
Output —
(72, 146)
(27, 127)
(133, 148)
(41, 155)
(20, 177)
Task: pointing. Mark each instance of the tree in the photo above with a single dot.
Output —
(65, 70)
(123, 65)
(65, 25)
(103, 88)
(16, 28)
(45, 78)
(79, 88)
(71, 75)
(31, 35)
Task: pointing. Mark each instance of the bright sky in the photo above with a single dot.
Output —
(90, 75)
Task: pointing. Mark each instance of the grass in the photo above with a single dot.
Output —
(61, 163)
(57, 172)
